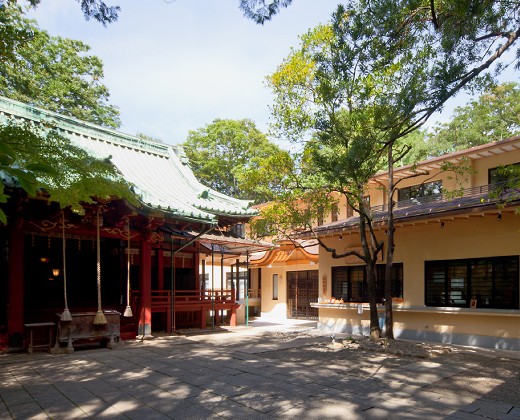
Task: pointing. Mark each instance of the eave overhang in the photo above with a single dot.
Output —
(158, 172)
(487, 150)
(437, 211)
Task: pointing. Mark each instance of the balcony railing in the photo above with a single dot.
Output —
(483, 191)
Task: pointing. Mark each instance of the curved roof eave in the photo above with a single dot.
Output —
(161, 179)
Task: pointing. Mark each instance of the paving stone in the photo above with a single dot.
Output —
(162, 403)
(16, 397)
(95, 408)
(515, 412)
(493, 414)
(463, 415)
(265, 402)
(187, 410)
(4, 413)
(65, 412)
(145, 412)
(233, 410)
(139, 389)
(25, 411)
(423, 415)
(225, 389)
(479, 406)
(329, 409)
(206, 379)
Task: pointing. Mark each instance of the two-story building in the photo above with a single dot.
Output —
(456, 261)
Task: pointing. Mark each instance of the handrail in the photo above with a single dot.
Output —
(186, 297)
(446, 196)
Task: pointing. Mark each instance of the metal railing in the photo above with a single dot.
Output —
(446, 197)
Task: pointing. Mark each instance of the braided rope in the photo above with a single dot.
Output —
(65, 316)
(100, 318)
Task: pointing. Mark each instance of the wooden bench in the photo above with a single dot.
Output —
(39, 325)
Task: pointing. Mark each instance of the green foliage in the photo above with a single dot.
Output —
(262, 10)
(51, 72)
(362, 84)
(494, 116)
(95, 9)
(416, 141)
(37, 158)
(235, 158)
(370, 79)
(297, 211)
(59, 75)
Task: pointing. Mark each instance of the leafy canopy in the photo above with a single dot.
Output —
(58, 75)
(36, 158)
(262, 10)
(52, 72)
(92, 9)
(494, 116)
(235, 158)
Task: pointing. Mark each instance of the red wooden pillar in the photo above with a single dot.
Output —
(15, 267)
(144, 329)
(233, 317)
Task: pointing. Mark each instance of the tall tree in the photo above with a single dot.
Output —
(345, 149)
(398, 61)
(494, 116)
(52, 72)
(235, 158)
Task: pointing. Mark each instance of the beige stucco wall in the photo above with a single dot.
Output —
(460, 238)
(463, 237)
(277, 309)
(499, 329)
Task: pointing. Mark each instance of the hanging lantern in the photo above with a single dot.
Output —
(100, 318)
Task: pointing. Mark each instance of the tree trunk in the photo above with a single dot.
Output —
(375, 330)
(389, 317)
(370, 261)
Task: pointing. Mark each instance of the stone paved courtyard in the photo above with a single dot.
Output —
(256, 373)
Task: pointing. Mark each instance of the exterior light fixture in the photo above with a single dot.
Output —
(44, 259)
(55, 272)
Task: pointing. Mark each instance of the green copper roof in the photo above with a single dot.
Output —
(159, 172)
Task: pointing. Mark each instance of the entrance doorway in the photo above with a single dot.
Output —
(302, 290)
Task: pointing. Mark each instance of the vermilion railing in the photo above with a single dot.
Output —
(162, 298)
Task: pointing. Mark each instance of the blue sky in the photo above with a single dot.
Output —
(175, 65)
